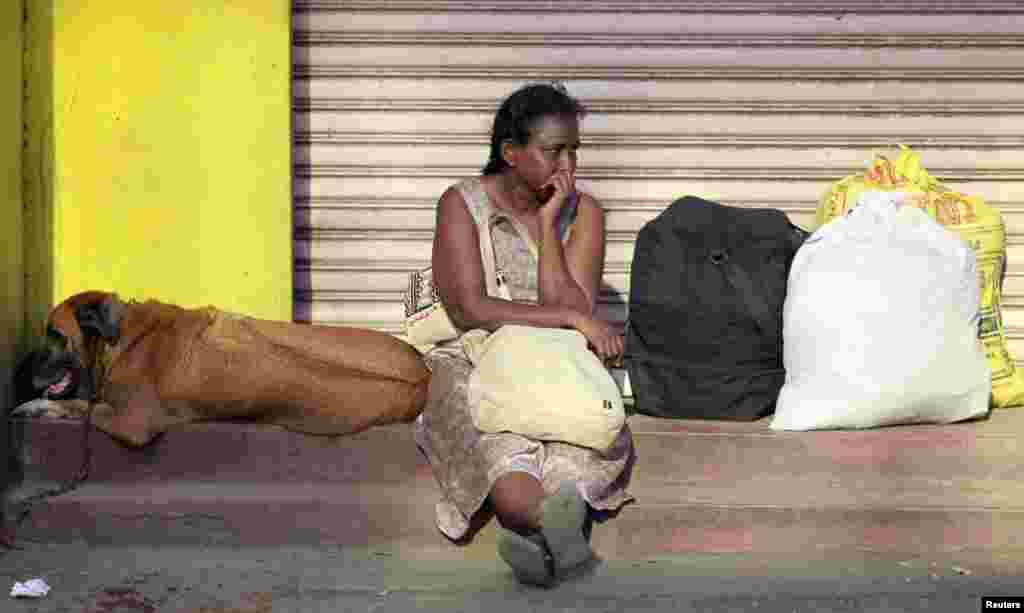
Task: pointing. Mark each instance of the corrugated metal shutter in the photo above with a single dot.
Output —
(755, 103)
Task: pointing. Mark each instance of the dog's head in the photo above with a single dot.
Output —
(64, 366)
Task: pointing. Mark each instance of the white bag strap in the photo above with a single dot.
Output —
(496, 285)
(484, 216)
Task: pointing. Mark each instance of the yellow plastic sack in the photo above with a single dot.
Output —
(978, 224)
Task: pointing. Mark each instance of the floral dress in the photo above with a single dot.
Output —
(466, 462)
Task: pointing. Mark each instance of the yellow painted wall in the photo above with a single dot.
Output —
(12, 299)
(170, 175)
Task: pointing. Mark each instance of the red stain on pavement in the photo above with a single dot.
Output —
(122, 600)
(255, 603)
(710, 540)
(969, 537)
(950, 537)
(880, 537)
(875, 447)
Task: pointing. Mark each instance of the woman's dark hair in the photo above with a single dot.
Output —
(521, 111)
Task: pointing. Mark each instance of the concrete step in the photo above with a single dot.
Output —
(400, 517)
(684, 451)
(233, 452)
(700, 487)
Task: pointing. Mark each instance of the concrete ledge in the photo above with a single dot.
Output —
(700, 487)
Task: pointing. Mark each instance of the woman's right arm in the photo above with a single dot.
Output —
(459, 277)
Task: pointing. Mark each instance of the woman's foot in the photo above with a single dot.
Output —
(528, 556)
(563, 515)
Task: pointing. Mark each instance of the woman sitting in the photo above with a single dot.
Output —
(549, 246)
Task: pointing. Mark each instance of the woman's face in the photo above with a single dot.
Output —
(554, 140)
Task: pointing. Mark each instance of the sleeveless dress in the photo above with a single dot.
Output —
(465, 461)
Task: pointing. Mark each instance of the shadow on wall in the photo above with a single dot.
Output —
(301, 222)
(39, 167)
(38, 177)
(612, 307)
(302, 265)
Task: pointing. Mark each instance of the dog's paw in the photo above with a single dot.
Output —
(42, 407)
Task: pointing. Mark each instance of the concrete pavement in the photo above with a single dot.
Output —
(211, 579)
(233, 518)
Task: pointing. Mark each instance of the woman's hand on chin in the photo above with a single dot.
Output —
(554, 193)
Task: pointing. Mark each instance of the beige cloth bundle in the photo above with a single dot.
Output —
(543, 383)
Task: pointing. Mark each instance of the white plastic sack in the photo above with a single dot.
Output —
(33, 588)
(880, 324)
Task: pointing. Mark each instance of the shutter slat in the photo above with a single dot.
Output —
(746, 102)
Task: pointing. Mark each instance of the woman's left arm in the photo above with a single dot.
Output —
(570, 275)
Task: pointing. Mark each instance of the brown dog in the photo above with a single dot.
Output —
(150, 366)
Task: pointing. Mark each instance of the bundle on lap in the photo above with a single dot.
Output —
(543, 383)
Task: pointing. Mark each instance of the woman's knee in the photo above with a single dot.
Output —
(516, 498)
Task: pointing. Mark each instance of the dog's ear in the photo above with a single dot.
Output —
(102, 317)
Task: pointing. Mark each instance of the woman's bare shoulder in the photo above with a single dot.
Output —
(452, 193)
(461, 193)
(454, 214)
(588, 205)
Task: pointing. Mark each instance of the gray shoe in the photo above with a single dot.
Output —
(528, 557)
(563, 515)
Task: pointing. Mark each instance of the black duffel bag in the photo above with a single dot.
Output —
(707, 286)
